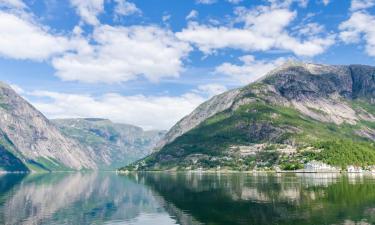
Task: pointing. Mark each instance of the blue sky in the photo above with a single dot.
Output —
(150, 62)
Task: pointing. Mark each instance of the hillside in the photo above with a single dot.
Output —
(113, 144)
(297, 113)
(30, 142)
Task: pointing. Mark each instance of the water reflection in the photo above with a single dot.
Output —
(269, 199)
(186, 199)
(80, 199)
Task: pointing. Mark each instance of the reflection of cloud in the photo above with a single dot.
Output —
(45, 199)
(80, 198)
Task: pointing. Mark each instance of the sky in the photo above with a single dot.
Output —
(151, 62)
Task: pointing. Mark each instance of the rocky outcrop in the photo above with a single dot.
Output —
(215, 105)
(36, 141)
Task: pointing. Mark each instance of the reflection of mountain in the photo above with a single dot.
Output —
(77, 198)
(185, 199)
(285, 199)
(7, 182)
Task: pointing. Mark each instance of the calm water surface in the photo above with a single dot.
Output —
(186, 198)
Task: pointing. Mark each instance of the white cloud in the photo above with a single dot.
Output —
(360, 26)
(250, 70)
(123, 53)
(264, 29)
(88, 10)
(166, 17)
(192, 15)
(234, 1)
(22, 38)
(326, 2)
(149, 112)
(18, 4)
(287, 3)
(206, 2)
(310, 29)
(361, 4)
(210, 90)
(126, 8)
(17, 89)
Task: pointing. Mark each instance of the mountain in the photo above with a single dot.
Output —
(297, 113)
(113, 144)
(29, 141)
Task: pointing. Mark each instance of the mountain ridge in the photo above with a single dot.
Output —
(295, 104)
(113, 144)
(30, 142)
(33, 139)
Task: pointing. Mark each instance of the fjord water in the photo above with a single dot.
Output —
(186, 198)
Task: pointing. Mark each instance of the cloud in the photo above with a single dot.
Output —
(288, 3)
(206, 2)
(149, 112)
(361, 4)
(326, 2)
(88, 10)
(250, 70)
(166, 17)
(210, 90)
(17, 89)
(264, 28)
(21, 38)
(123, 53)
(17, 4)
(360, 26)
(126, 8)
(192, 15)
(109, 54)
(234, 1)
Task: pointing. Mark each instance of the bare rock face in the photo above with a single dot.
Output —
(215, 105)
(35, 139)
(113, 144)
(363, 82)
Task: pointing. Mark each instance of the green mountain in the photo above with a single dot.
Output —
(30, 142)
(113, 144)
(297, 113)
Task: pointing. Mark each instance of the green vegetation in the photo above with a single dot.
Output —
(261, 122)
(47, 164)
(346, 152)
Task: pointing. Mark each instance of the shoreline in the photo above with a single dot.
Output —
(197, 171)
(245, 172)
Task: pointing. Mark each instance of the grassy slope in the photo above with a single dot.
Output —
(341, 146)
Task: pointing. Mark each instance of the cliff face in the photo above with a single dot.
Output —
(215, 105)
(34, 140)
(113, 144)
(297, 104)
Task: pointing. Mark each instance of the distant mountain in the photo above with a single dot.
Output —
(113, 144)
(297, 113)
(29, 141)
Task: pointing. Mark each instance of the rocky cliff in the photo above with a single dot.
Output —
(29, 141)
(113, 144)
(296, 107)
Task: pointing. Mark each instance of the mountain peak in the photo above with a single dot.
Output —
(4, 85)
(312, 68)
